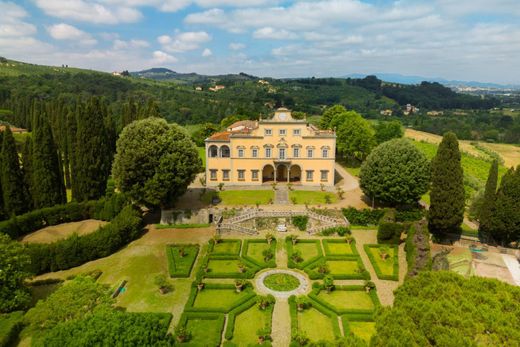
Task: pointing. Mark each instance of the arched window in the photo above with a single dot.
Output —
(225, 152)
(213, 151)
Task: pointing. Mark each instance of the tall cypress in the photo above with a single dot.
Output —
(489, 202)
(2, 212)
(93, 152)
(48, 185)
(27, 170)
(447, 199)
(504, 222)
(72, 126)
(13, 190)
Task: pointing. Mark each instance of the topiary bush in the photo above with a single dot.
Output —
(363, 217)
(389, 232)
(300, 222)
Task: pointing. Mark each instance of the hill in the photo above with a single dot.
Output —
(17, 68)
(164, 74)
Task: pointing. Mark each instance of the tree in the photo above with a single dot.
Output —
(386, 131)
(299, 115)
(203, 133)
(355, 137)
(504, 221)
(13, 264)
(13, 187)
(93, 153)
(396, 173)
(329, 114)
(447, 188)
(155, 162)
(488, 202)
(72, 128)
(27, 171)
(48, 185)
(226, 122)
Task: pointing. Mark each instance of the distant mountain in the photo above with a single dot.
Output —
(164, 74)
(404, 79)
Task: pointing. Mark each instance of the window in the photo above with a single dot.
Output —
(241, 175)
(268, 132)
(296, 152)
(224, 151)
(282, 153)
(213, 151)
(282, 132)
(296, 132)
(310, 174)
(225, 175)
(213, 175)
(254, 175)
(324, 175)
(325, 153)
(268, 152)
(240, 153)
(309, 152)
(255, 153)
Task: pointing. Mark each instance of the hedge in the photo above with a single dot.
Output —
(347, 318)
(389, 232)
(364, 275)
(340, 230)
(418, 241)
(363, 217)
(326, 243)
(300, 222)
(373, 295)
(181, 266)
(380, 275)
(186, 316)
(301, 266)
(103, 209)
(211, 246)
(76, 250)
(409, 215)
(242, 308)
(252, 268)
(263, 265)
(194, 291)
(10, 326)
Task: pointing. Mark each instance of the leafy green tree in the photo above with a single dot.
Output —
(13, 187)
(396, 172)
(48, 185)
(71, 301)
(355, 137)
(441, 308)
(386, 131)
(488, 202)
(13, 264)
(504, 221)
(203, 133)
(129, 113)
(93, 153)
(155, 162)
(329, 114)
(447, 199)
(226, 122)
(299, 115)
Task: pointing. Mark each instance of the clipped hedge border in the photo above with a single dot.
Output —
(326, 243)
(262, 265)
(373, 295)
(346, 319)
(380, 275)
(10, 326)
(194, 291)
(252, 268)
(289, 246)
(411, 250)
(364, 275)
(211, 246)
(186, 316)
(331, 314)
(241, 309)
(171, 259)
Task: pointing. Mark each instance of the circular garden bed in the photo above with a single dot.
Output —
(281, 282)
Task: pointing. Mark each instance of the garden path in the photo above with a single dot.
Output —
(281, 195)
(281, 325)
(281, 253)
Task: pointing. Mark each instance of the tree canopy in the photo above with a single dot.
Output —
(386, 131)
(13, 186)
(396, 173)
(155, 162)
(488, 201)
(446, 309)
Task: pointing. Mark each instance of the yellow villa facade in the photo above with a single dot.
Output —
(280, 149)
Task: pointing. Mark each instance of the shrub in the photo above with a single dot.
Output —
(10, 326)
(417, 249)
(409, 215)
(340, 230)
(363, 217)
(389, 233)
(300, 222)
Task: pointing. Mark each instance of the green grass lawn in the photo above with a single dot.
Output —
(210, 298)
(202, 155)
(218, 266)
(179, 264)
(336, 248)
(363, 330)
(348, 299)
(315, 325)
(386, 266)
(281, 282)
(227, 247)
(307, 250)
(247, 324)
(311, 197)
(246, 197)
(203, 332)
(255, 250)
(342, 267)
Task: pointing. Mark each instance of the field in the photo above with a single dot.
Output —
(61, 231)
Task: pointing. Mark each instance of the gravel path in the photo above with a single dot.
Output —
(281, 326)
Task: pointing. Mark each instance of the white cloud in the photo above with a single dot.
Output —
(64, 31)
(89, 11)
(207, 52)
(274, 34)
(12, 24)
(236, 46)
(160, 57)
(121, 44)
(183, 41)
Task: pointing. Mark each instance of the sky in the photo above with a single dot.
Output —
(472, 40)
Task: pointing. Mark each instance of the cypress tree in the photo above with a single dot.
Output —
(489, 201)
(504, 221)
(2, 214)
(447, 200)
(48, 186)
(13, 191)
(71, 146)
(93, 153)
(27, 170)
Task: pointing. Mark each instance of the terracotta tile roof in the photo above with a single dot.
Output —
(13, 129)
(250, 124)
(221, 136)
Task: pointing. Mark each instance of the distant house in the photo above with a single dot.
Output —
(217, 88)
(116, 73)
(13, 129)
(264, 82)
(199, 89)
(435, 113)
(386, 112)
(410, 109)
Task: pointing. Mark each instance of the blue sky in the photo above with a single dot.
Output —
(454, 39)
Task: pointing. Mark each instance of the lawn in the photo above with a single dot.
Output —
(385, 268)
(315, 325)
(347, 299)
(228, 247)
(57, 232)
(311, 197)
(181, 259)
(342, 267)
(247, 324)
(223, 266)
(308, 250)
(202, 155)
(246, 197)
(363, 330)
(255, 249)
(204, 332)
(281, 282)
(338, 248)
(211, 298)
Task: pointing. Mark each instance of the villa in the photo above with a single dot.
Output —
(280, 149)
